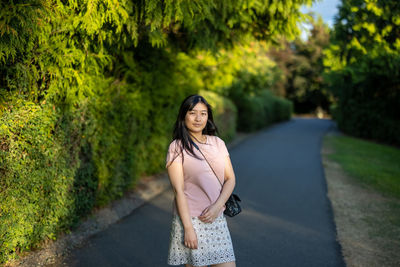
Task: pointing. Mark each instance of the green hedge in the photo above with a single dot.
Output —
(58, 164)
(257, 106)
(256, 112)
(37, 178)
(369, 97)
(60, 161)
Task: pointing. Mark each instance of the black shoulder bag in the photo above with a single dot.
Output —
(232, 206)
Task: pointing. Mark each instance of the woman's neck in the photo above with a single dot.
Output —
(199, 137)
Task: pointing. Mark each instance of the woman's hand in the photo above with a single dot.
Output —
(210, 213)
(190, 238)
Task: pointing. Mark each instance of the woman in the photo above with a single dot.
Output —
(199, 232)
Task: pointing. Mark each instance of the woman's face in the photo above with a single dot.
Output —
(196, 119)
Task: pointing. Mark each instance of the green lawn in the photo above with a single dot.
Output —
(374, 165)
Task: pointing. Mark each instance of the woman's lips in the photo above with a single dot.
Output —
(197, 125)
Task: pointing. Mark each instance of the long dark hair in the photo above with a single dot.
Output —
(181, 133)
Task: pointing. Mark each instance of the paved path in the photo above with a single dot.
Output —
(287, 218)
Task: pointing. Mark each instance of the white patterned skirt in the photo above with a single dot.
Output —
(214, 243)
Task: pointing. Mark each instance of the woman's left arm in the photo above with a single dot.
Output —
(210, 213)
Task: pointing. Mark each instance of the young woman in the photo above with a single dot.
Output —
(199, 232)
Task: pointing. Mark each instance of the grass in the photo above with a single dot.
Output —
(365, 195)
(373, 165)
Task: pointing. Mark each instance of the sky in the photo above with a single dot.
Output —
(326, 8)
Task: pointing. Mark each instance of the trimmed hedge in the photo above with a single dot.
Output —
(256, 112)
(257, 106)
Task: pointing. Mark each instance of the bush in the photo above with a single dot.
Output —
(37, 178)
(57, 164)
(131, 120)
(333, 110)
(60, 160)
(368, 95)
(257, 106)
(283, 108)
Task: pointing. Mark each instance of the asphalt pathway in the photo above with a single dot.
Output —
(287, 218)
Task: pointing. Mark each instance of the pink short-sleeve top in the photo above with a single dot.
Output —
(201, 186)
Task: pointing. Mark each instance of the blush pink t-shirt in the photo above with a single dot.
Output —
(201, 186)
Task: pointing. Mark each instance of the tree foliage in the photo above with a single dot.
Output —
(363, 68)
(302, 66)
(52, 49)
(104, 77)
(366, 27)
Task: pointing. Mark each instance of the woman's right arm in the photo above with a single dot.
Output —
(175, 173)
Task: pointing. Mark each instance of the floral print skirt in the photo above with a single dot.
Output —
(214, 243)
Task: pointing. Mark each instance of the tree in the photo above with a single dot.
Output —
(52, 49)
(301, 62)
(366, 26)
(363, 68)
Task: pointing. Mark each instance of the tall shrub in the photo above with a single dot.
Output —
(257, 105)
(368, 94)
(37, 178)
(363, 69)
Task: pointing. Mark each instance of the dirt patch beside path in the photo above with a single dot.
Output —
(365, 220)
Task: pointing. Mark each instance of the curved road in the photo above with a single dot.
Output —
(286, 221)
